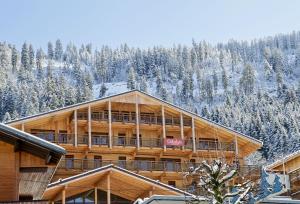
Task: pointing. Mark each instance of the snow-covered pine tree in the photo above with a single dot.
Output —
(50, 51)
(131, 80)
(215, 178)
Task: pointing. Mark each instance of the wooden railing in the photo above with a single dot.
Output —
(130, 117)
(143, 165)
(103, 140)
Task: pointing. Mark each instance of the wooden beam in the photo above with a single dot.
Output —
(63, 196)
(75, 128)
(236, 146)
(90, 126)
(137, 119)
(163, 126)
(96, 195)
(181, 129)
(108, 189)
(23, 127)
(109, 124)
(193, 135)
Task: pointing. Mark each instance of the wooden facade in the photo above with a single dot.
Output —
(26, 165)
(138, 132)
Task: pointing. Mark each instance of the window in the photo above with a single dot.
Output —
(69, 161)
(99, 138)
(121, 139)
(97, 161)
(63, 137)
(172, 183)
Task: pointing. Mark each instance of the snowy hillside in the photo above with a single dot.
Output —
(252, 87)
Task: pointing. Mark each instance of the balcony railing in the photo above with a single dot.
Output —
(103, 140)
(60, 138)
(143, 165)
(130, 117)
(134, 165)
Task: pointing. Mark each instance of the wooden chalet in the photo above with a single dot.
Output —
(107, 184)
(138, 132)
(27, 163)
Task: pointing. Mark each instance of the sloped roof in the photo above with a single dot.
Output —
(239, 134)
(284, 159)
(30, 142)
(132, 183)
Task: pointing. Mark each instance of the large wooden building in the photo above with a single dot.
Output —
(27, 164)
(138, 132)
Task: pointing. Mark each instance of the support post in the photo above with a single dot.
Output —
(181, 129)
(164, 126)
(96, 195)
(108, 188)
(63, 196)
(193, 135)
(90, 126)
(137, 119)
(236, 148)
(109, 124)
(75, 129)
(23, 127)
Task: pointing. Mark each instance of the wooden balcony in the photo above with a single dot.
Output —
(130, 117)
(103, 140)
(249, 171)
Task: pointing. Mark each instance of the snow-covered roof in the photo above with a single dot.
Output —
(29, 138)
(284, 159)
(148, 95)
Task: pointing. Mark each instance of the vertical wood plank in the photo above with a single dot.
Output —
(163, 126)
(109, 124)
(137, 119)
(193, 135)
(75, 128)
(90, 126)
(63, 196)
(96, 195)
(181, 129)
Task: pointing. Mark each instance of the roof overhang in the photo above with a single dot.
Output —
(123, 183)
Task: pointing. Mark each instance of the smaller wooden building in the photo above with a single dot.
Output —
(27, 163)
(108, 184)
(289, 166)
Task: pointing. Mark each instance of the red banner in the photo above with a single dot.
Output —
(173, 142)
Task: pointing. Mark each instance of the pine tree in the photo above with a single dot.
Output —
(224, 79)
(50, 51)
(58, 50)
(131, 81)
(143, 84)
(247, 80)
(215, 80)
(14, 59)
(102, 90)
(31, 56)
(25, 56)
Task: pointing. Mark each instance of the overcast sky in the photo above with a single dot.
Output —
(144, 23)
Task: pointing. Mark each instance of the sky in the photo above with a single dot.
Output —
(144, 23)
